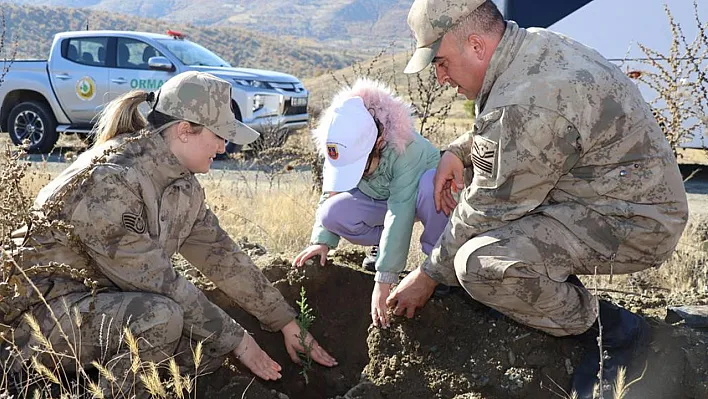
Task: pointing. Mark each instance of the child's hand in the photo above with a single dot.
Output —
(309, 252)
(379, 309)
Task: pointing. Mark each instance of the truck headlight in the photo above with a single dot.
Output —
(252, 83)
(258, 102)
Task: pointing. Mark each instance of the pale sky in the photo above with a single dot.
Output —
(611, 26)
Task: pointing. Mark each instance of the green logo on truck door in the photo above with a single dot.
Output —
(86, 88)
(146, 84)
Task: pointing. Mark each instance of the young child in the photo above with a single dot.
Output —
(378, 179)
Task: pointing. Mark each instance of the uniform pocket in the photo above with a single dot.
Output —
(610, 180)
(629, 179)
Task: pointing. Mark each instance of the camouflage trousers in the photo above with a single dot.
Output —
(521, 270)
(91, 328)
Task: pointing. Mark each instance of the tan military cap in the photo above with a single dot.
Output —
(430, 20)
(204, 99)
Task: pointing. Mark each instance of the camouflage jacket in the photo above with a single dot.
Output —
(561, 131)
(130, 214)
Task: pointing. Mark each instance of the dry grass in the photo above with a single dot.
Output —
(49, 377)
(279, 216)
(687, 269)
(692, 156)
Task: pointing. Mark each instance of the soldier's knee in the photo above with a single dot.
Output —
(156, 318)
(482, 260)
(467, 265)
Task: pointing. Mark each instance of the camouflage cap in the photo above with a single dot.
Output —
(202, 98)
(430, 20)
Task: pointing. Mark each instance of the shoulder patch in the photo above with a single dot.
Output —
(484, 157)
(135, 222)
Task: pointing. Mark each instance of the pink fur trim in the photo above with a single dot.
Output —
(390, 109)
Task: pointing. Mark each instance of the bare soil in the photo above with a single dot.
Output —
(453, 348)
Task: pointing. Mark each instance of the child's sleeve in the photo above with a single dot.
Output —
(320, 235)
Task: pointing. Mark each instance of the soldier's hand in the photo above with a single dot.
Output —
(291, 335)
(448, 177)
(379, 309)
(412, 293)
(252, 356)
(309, 252)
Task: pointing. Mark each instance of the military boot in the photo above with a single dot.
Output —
(624, 338)
(369, 263)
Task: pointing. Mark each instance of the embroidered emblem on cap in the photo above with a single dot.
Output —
(332, 151)
(134, 222)
(484, 154)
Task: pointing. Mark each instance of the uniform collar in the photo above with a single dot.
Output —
(503, 56)
(160, 163)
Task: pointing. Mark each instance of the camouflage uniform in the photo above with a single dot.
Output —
(130, 213)
(567, 172)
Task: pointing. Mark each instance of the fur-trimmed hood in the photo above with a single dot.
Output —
(389, 109)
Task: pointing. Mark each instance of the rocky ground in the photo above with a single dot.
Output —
(453, 348)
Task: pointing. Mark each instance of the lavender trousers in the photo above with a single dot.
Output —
(360, 218)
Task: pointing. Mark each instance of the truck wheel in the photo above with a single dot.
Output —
(35, 122)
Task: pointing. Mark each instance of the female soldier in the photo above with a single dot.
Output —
(131, 211)
(383, 171)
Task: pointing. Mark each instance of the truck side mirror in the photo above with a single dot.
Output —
(160, 64)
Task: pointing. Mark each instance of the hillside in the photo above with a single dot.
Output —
(387, 68)
(447, 118)
(367, 25)
(238, 46)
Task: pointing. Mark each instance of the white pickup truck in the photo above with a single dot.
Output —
(87, 69)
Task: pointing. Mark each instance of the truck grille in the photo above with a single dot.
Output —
(288, 87)
(290, 110)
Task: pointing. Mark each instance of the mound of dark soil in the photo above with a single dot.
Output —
(340, 298)
(453, 348)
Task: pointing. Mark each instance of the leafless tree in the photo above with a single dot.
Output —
(680, 82)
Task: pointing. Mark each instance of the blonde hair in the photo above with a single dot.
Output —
(121, 116)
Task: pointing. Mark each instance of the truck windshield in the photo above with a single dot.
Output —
(192, 54)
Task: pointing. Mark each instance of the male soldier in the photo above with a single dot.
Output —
(568, 173)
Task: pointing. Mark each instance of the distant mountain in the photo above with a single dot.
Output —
(34, 27)
(354, 24)
(387, 68)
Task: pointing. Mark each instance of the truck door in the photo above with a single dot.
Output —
(131, 69)
(80, 77)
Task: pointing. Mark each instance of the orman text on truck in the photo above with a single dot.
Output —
(87, 69)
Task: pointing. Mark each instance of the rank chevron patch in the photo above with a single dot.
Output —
(484, 153)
